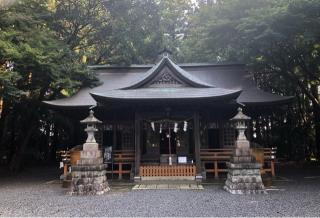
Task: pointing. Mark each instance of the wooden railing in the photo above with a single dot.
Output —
(219, 157)
(215, 157)
(165, 170)
(269, 159)
(122, 158)
(213, 161)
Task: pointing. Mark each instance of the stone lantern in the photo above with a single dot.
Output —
(244, 176)
(91, 122)
(89, 174)
(240, 121)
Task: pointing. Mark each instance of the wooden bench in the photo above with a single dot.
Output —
(122, 158)
(218, 156)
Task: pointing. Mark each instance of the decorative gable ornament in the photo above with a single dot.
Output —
(166, 78)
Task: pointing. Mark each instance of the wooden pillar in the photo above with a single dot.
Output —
(221, 133)
(114, 136)
(197, 142)
(137, 140)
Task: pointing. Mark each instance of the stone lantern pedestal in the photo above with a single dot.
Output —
(244, 175)
(89, 174)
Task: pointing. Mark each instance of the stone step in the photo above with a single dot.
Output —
(168, 178)
(241, 191)
(90, 161)
(165, 186)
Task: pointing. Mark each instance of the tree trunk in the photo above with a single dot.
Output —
(316, 120)
(17, 158)
(4, 133)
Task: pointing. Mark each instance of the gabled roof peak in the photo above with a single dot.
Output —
(175, 72)
(165, 52)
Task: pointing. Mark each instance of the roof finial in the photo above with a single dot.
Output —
(165, 52)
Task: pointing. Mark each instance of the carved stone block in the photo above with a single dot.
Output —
(89, 175)
(244, 175)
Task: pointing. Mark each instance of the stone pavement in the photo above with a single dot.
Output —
(296, 192)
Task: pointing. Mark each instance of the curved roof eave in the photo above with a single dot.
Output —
(54, 105)
(255, 96)
(285, 100)
(168, 94)
(80, 99)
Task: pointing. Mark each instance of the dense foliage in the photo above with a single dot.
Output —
(280, 41)
(45, 46)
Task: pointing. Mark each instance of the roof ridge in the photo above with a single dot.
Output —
(133, 66)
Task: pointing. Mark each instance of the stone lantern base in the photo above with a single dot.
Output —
(244, 175)
(89, 175)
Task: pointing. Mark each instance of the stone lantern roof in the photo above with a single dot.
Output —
(240, 116)
(91, 119)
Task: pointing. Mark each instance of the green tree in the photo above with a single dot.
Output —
(36, 65)
(279, 39)
(174, 22)
(110, 31)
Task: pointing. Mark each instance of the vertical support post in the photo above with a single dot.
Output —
(114, 136)
(137, 140)
(216, 173)
(197, 142)
(221, 135)
(65, 169)
(272, 168)
(120, 171)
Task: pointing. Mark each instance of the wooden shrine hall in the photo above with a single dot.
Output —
(167, 119)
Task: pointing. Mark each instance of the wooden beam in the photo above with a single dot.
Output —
(197, 141)
(137, 140)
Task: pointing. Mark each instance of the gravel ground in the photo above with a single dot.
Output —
(33, 193)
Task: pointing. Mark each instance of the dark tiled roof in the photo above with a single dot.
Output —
(257, 96)
(228, 76)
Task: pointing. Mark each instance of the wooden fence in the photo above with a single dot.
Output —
(166, 170)
(214, 160)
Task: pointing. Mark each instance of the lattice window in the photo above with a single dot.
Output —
(213, 125)
(107, 127)
(213, 135)
(204, 126)
(229, 135)
(127, 137)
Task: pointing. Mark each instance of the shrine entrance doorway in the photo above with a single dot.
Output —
(168, 142)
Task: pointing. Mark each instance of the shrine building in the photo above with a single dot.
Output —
(166, 114)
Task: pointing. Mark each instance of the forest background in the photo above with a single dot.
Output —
(46, 46)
